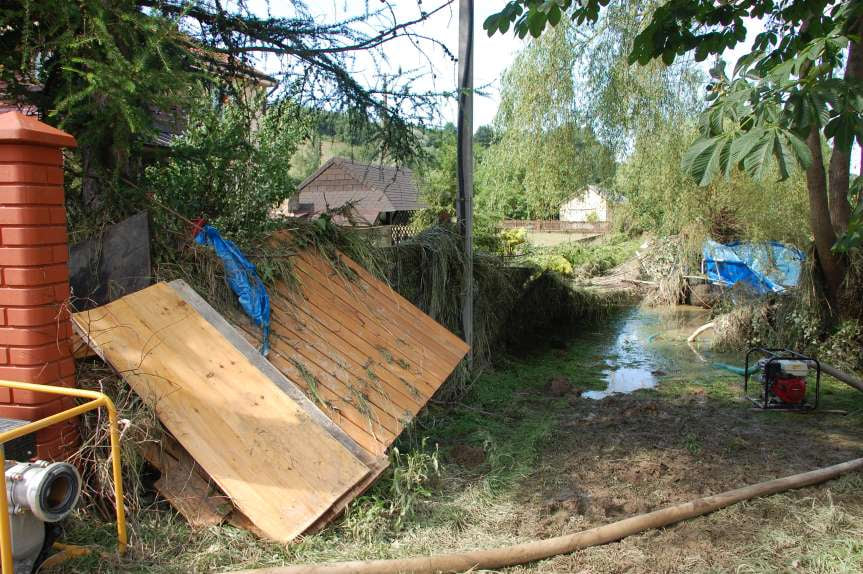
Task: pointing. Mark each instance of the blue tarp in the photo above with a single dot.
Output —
(766, 267)
(243, 279)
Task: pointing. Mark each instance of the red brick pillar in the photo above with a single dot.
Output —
(34, 277)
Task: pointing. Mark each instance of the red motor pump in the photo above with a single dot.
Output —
(783, 379)
(789, 390)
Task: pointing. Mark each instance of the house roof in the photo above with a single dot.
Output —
(392, 188)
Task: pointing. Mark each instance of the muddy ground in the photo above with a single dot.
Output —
(627, 455)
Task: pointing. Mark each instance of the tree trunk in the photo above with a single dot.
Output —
(832, 267)
(860, 189)
(840, 177)
(840, 159)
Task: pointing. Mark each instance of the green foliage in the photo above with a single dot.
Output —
(595, 258)
(544, 153)
(231, 168)
(438, 184)
(553, 262)
(617, 99)
(583, 259)
(437, 176)
(659, 197)
(786, 89)
(512, 241)
(484, 136)
(399, 495)
(103, 67)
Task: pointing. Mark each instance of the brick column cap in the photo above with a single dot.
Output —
(16, 127)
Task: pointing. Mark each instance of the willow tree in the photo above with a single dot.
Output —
(545, 152)
(795, 92)
(579, 78)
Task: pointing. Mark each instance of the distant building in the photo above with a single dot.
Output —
(360, 194)
(588, 205)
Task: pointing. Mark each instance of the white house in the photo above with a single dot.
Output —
(588, 205)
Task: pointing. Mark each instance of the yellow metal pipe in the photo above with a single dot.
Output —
(52, 390)
(122, 540)
(97, 400)
(50, 420)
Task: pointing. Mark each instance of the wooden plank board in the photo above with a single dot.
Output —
(182, 484)
(422, 325)
(373, 359)
(276, 376)
(425, 355)
(277, 464)
(344, 339)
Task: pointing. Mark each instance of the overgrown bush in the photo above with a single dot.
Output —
(590, 259)
(513, 241)
(231, 166)
(583, 259)
(553, 262)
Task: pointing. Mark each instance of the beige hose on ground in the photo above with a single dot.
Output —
(538, 550)
(846, 378)
(694, 336)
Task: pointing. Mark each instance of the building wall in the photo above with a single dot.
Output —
(579, 208)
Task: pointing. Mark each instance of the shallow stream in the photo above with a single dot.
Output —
(650, 343)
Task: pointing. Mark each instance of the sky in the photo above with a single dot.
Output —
(492, 55)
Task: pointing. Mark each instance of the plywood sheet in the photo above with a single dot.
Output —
(279, 466)
(365, 355)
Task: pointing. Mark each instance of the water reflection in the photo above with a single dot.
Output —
(650, 343)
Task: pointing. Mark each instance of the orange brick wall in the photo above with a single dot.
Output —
(35, 327)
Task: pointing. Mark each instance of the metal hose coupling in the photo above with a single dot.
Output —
(47, 490)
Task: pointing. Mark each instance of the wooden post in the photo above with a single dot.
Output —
(464, 201)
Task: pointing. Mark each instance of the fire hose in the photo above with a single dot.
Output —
(541, 549)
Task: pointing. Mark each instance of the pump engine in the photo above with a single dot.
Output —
(783, 377)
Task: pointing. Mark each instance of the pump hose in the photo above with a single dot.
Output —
(531, 551)
(849, 380)
(737, 370)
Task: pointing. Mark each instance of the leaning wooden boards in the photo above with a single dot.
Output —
(364, 354)
(278, 466)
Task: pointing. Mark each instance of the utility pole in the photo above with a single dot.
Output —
(464, 201)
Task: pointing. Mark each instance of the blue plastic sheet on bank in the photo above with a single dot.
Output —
(765, 267)
(244, 280)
